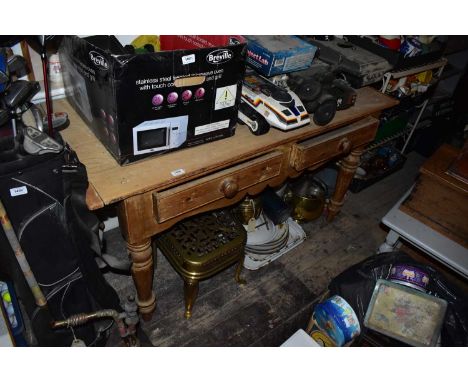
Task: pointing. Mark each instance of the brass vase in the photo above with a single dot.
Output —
(247, 209)
(307, 198)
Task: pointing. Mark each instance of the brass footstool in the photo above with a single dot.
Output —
(201, 246)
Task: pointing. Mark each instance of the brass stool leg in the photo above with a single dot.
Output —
(190, 292)
(240, 265)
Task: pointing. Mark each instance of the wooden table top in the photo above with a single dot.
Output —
(110, 182)
(438, 164)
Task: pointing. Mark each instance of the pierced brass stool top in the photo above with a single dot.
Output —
(203, 245)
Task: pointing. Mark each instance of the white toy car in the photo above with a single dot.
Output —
(264, 104)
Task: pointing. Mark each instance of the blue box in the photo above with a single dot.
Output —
(13, 311)
(273, 55)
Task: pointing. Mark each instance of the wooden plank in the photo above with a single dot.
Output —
(220, 297)
(280, 333)
(239, 328)
(233, 315)
(331, 249)
(113, 182)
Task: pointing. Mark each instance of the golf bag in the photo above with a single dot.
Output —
(44, 197)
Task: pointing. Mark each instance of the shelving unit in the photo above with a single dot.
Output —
(406, 132)
(439, 64)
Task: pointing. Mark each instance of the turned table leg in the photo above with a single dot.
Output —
(142, 273)
(345, 176)
(239, 266)
(391, 242)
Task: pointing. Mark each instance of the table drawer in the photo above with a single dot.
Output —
(224, 184)
(323, 148)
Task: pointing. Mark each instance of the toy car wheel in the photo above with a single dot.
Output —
(308, 90)
(259, 126)
(325, 112)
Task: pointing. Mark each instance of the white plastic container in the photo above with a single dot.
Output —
(55, 70)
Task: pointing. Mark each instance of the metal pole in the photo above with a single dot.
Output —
(415, 125)
(47, 93)
(439, 73)
(21, 258)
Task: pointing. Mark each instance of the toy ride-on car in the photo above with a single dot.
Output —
(264, 104)
(322, 93)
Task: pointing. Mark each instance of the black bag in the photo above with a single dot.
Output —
(356, 285)
(44, 197)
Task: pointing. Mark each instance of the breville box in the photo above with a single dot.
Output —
(154, 102)
(273, 55)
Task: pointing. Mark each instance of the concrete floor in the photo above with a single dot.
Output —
(277, 299)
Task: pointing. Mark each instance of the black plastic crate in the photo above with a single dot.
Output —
(359, 184)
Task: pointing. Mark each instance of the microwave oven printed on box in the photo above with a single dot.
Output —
(116, 90)
(158, 135)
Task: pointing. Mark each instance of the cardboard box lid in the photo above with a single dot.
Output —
(173, 42)
(281, 43)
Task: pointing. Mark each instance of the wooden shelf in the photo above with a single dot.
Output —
(417, 69)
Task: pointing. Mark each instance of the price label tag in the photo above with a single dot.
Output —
(188, 59)
(252, 225)
(18, 191)
(178, 172)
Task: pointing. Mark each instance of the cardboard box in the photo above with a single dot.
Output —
(273, 55)
(154, 102)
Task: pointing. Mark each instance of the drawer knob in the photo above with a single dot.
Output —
(345, 146)
(229, 188)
